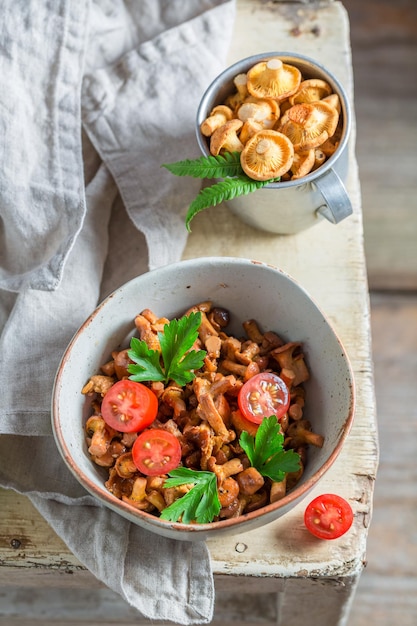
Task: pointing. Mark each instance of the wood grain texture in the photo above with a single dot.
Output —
(329, 262)
(384, 51)
(281, 559)
(387, 592)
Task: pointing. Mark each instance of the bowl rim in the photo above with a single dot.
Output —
(148, 520)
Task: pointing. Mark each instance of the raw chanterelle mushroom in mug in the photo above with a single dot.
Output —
(272, 95)
(225, 138)
(273, 79)
(268, 154)
(276, 125)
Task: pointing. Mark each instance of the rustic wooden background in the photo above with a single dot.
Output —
(384, 48)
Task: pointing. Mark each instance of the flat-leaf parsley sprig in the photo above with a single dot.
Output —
(227, 166)
(178, 360)
(266, 451)
(200, 504)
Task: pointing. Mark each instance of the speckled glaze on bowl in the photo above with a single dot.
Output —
(249, 289)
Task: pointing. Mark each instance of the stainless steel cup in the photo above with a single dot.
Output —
(292, 206)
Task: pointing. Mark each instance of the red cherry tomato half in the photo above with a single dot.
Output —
(129, 406)
(156, 451)
(263, 395)
(328, 516)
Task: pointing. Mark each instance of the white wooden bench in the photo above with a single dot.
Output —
(273, 575)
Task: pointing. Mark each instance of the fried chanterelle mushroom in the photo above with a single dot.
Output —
(198, 426)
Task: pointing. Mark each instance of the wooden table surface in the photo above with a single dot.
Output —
(329, 262)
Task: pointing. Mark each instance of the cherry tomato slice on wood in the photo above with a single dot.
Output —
(129, 406)
(328, 516)
(156, 452)
(263, 395)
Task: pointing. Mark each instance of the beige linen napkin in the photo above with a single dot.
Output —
(95, 97)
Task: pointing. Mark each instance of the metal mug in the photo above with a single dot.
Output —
(291, 206)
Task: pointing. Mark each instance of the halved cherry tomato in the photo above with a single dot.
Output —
(263, 395)
(156, 451)
(129, 406)
(328, 516)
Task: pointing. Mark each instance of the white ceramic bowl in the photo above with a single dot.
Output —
(249, 289)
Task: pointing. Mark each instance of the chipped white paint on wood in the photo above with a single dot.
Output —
(313, 580)
(329, 262)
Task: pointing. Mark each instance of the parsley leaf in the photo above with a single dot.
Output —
(148, 365)
(179, 361)
(201, 504)
(266, 451)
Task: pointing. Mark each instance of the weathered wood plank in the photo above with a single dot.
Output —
(329, 261)
(387, 592)
(336, 279)
(384, 48)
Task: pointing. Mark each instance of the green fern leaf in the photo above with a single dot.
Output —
(221, 192)
(220, 166)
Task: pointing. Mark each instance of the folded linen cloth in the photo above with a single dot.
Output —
(95, 97)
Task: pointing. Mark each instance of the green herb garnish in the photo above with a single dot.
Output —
(226, 166)
(201, 504)
(178, 360)
(266, 451)
(208, 166)
(219, 192)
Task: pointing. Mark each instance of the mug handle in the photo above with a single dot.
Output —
(338, 205)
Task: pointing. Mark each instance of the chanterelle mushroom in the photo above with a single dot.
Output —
(319, 158)
(268, 154)
(225, 139)
(249, 128)
(302, 164)
(273, 79)
(240, 81)
(331, 144)
(334, 101)
(218, 116)
(311, 90)
(309, 125)
(263, 110)
(236, 99)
